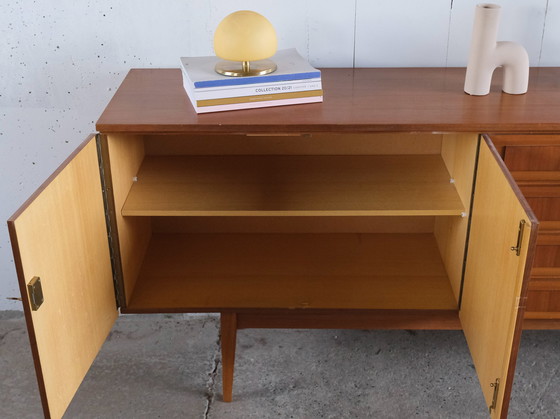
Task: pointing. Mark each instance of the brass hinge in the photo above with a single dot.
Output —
(517, 248)
(496, 386)
(35, 293)
(110, 221)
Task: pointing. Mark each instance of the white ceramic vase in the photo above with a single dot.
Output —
(486, 54)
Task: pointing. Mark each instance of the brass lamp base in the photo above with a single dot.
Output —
(252, 68)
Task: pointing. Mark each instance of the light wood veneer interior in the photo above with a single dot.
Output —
(292, 186)
(490, 331)
(365, 208)
(126, 155)
(206, 272)
(63, 229)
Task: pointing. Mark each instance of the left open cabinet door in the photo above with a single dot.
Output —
(59, 239)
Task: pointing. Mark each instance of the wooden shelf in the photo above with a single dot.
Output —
(293, 186)
(211, 272)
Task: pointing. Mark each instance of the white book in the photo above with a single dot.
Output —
(255, 101)
(256, 89)
(264, 104)
(291, 66)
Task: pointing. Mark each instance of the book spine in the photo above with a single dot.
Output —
(259, 98)
(259, 89)
(239, 81)
(249, 90)
(252, 105)
(188, 89)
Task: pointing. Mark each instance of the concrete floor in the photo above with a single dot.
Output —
(169, 366)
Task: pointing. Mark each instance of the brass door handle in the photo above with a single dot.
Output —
(35, 291)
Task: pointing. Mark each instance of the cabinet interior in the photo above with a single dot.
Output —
(320, 220)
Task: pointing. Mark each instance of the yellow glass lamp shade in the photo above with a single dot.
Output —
(245, 39)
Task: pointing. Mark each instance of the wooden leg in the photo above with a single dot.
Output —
(228, 335)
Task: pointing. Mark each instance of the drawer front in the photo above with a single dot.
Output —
(543, 298)
(539, 158)
(544, 288)
(543, 305)
(538, 184)
(547, 256)
(545, 208)
(549, 233)
(535, 165)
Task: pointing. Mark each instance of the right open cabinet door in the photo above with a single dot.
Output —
(501, 245)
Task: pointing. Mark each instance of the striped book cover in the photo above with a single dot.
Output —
(275, 89)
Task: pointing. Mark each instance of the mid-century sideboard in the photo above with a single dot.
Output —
(388, 205)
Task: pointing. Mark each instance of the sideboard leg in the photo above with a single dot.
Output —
(228, 335)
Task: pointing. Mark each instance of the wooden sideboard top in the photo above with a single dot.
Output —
(355, 100)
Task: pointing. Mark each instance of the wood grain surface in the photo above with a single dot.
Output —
(293, 185)
(213, 272)
(126, 153)
(355, 100)
(60, 236)
(496, 279)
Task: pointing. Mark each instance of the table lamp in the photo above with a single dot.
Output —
(245, 39)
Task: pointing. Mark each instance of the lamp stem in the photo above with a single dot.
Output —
(246, 67)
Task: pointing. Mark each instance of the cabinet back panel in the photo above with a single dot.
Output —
(293, 224)
(126, 153)
(293, 144)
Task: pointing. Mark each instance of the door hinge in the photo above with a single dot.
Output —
(110, 221)
(496, 386)
(35, 291)
(517, 248)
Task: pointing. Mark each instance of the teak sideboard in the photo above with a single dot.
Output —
(386, 206)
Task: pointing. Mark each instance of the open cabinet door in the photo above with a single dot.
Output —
(59, 236)
(501, 245)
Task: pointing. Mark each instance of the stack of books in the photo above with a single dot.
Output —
(295, 81)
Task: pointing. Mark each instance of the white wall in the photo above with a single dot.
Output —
(61, 61)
